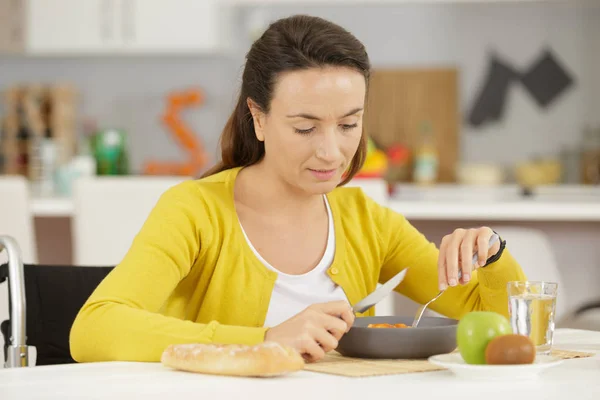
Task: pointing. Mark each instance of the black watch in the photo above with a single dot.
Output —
(496, 256)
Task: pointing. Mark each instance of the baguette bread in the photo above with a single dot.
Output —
(260, 360)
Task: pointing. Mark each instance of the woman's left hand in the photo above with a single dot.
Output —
(457, 250)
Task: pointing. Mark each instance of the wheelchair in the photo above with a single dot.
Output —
(43, 303)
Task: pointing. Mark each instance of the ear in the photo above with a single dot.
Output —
(258, 116)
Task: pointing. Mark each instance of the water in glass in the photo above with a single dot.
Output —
(532, 308)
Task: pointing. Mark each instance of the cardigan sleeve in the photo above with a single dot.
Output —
(121, 321)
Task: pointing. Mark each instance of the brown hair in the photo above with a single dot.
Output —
(293, 43)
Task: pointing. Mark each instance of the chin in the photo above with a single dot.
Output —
(322, 187)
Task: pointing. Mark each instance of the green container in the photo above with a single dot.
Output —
(109, 147)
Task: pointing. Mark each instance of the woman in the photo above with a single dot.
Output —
(269, 245)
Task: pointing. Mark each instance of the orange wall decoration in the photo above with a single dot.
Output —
(196, 157)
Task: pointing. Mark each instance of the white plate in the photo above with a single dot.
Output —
(455, 363)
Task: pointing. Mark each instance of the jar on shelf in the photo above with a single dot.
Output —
(590, 157)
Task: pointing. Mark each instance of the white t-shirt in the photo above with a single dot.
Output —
(293, 293)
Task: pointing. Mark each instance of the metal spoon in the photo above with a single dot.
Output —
(422, 309)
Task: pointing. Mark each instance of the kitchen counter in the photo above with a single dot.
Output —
(507, 202)
(518, 210)
(52, 207)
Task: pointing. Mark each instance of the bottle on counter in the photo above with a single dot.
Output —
(426, 156)
(109, 147)
(399, 164)
(81, 165)
(47, 152)
(590, 158)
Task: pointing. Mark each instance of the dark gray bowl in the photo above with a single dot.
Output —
(434, 335)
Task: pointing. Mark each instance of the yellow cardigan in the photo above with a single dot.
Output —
(190, 275)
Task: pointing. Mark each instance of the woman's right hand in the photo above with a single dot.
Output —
(316, 330)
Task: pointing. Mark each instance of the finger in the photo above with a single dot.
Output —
(340, 309)
(333, 307)
(452, 253)
(348, 317)
(483, 241)
(325, 340)
(466, 255)
(336, 326)
(442, 278)
(311, 351)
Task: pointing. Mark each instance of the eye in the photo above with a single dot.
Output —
(304, 131)
(347, 127)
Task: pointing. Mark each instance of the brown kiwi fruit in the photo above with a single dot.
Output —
(510, 349)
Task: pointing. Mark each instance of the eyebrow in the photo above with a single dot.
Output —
(309, 116)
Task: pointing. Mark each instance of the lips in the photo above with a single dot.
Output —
(323, 174)
(323, 170)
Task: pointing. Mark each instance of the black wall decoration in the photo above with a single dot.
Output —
(545, 80)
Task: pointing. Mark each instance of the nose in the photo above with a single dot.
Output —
(328, 148)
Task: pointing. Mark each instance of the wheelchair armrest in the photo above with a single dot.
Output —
(3, 272)
(5, 329)
(17, 349)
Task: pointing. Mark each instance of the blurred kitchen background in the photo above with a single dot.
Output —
(481, 112)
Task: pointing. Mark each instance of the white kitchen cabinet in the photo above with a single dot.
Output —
(173, 26)
(71, 26)
(80, 27)
(399, 2)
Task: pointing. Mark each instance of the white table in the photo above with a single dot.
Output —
(575, 379)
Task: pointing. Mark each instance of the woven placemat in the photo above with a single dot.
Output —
(336, 364)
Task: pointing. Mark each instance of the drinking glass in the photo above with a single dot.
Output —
(531, 307)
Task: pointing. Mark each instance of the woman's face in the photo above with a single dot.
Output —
(313, 127)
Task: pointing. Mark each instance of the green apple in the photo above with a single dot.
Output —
(475, 330)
